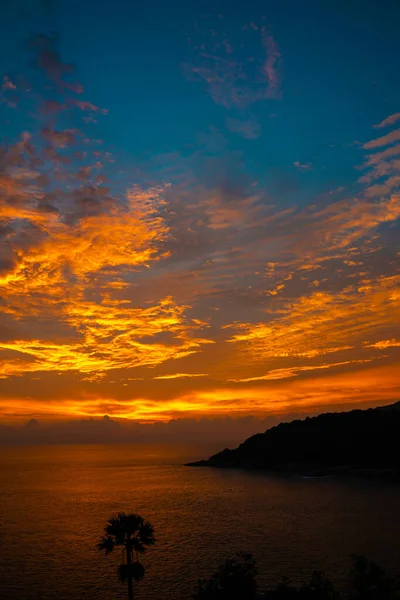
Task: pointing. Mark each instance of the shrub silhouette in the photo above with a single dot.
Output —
(367, 581)
(318, 588)
(235, 579)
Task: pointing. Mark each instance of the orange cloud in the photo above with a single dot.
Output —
(180, 375)
(377, 157)
(110, 336)
(322, 323)
(383, 344)
(285, 373)
(50, 280)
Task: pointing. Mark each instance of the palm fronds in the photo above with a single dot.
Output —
(107, 544)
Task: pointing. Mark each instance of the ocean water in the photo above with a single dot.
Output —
(54, 502)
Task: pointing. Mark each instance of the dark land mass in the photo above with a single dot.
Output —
(359, 442)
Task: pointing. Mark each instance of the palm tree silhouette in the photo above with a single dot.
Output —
(134, 535)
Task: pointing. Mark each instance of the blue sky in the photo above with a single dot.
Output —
(337, 76)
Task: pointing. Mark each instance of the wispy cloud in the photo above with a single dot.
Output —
(383, 344)
(322, 323)
(249, 128)
(303, 166)
(237, 79)
(391, 120)
(8, 84)
(285, 373)
(385, 140)
(90, 107)
(180, 375)
(271, 65)
(49, 60)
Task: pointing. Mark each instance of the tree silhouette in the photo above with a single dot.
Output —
(369, 582)
(235, 579)
(134, 535)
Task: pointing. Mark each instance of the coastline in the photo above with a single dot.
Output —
(311, 472)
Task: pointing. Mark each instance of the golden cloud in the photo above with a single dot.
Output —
(322, 322)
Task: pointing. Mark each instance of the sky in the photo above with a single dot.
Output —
(199, 212)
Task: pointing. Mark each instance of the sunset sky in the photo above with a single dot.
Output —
(199, 208)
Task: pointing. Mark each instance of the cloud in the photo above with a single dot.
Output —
(89, 107)
(388, 121)
(235, 78)
(51, 279)
(8, 93)
(180, 375)
(385, 140)
(378, 157)
(321, 323)
(8, 84)
(285, 373)
(269, 403)
(271, 65)
(66, 257)
(382, 176)
(383, 344)
(249, 129)
(218, 431)
(49, 60)
(109, 337)
(303, 166)
(205, 294)
(59, 139)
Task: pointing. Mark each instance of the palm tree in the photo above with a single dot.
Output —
(134, 535)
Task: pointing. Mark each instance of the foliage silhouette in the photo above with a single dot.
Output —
(235, 579)
(367, 581)
(318, 588)
(134, 535)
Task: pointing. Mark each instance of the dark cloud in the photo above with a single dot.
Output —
(59, 139)
(107, 430)
(49, 60)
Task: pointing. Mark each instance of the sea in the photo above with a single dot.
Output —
(55, 501)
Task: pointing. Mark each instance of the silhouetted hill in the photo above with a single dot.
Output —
(360, 441)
